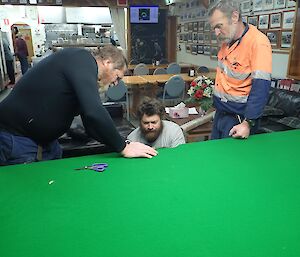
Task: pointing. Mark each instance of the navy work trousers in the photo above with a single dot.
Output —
(17, 149)
(223, 123)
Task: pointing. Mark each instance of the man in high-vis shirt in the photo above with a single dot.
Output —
(243, 74)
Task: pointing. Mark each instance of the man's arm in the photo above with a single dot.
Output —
(261, 63)
(177, 138)
(82, 72)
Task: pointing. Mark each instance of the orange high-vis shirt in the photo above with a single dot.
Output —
(247, 59)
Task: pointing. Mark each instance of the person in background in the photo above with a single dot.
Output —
(154, 131)
(9, 61)
(158, 53)
(46, 99)
(243, 76)
(22, 53)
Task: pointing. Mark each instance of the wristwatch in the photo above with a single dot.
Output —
(251, 122)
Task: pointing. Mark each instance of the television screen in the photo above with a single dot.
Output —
(144, 14)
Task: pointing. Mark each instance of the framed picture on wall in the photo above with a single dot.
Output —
(195, 37)
(245, 19)
(288, 19)
(214, 52)
(207, 38)
(200, 38)
(201, 26)
(213, 38)
(186, 27)
(269, 5)
(195, 26)
(246, 6)
(206, 26)
(257, 5)
(273, 36)
(188, 48)
(275, 20)
(194, 49)
(290, 3)
(178, 28)
(263, 21)
(200, 49)
(252, 20)
(278, 4)
(181, 38)
(286, 39)
(206, 49)
(186, 37)
(190, 37)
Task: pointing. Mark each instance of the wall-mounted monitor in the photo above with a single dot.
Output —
(143, 14)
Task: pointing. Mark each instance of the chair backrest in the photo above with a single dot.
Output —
(141, 69)
(133, 61)
(118, 92)
(173, 68)
(163, 61)
(202, 69)
(174, 87)
(160, 71)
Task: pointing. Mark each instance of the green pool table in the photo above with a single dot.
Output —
(221, 198)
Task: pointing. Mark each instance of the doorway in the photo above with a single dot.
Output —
(25, 30)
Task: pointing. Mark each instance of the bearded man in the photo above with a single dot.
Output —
(243, 74)
(154, 131)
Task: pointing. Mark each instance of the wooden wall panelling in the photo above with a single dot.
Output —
(294, 57)
(171, 42)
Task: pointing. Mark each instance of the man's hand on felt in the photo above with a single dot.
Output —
(240, 131)
(136, 149)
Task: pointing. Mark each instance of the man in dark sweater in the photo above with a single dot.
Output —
(45, 100)
(22, 53)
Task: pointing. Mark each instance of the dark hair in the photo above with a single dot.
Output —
(150, 106)
(227, 7)
(113, 54)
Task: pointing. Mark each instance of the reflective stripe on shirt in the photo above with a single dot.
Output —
(232, 74)
(227, 97)
(258, 74)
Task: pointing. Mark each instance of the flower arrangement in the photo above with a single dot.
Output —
(201, 91)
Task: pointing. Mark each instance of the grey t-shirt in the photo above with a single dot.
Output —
(171, 136)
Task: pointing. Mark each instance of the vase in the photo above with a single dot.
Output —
(201, 111)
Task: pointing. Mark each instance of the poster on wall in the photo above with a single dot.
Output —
(279, 4)
(273, 36)
(290, 3)
(269, 5)
(286, 39)
(257, 5)
(246, 6)
(263, 21)
(275, 20)
(288, 19)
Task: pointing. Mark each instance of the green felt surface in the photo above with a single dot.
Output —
(222, 198)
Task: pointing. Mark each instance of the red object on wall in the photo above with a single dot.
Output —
(6, 21)
(122, 3)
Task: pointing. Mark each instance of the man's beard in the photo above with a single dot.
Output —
(226, 39)
(151, 135)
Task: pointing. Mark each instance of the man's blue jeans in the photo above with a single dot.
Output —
(18, 149)
(24, 64)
